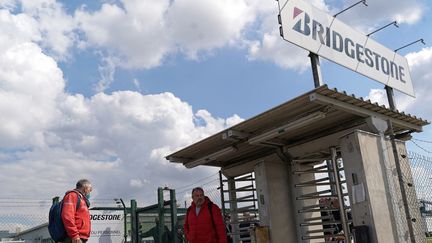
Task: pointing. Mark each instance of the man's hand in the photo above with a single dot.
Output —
(76, 240)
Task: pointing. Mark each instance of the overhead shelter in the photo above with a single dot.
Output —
(296, 149)
(315, 114)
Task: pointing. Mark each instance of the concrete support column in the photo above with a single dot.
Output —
(367, 186)
(276, 208)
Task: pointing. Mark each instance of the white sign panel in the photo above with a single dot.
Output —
(320, 33)
(107, 226)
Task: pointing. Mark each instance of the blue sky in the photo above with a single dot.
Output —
(106, 89)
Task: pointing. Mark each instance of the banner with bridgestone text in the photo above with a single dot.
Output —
(107, 226)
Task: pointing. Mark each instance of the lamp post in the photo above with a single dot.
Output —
(120, 201)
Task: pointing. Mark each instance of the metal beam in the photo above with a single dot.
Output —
(211, 157)
(321, 99)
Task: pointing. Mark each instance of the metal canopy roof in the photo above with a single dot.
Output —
(315, 114)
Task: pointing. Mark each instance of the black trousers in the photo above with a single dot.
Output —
(69, 240)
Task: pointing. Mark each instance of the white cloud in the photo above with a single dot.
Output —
(50, 138)
(137, 85)
(272, 48)
(138, 183)
(205, 25)
(106, 71)
(320, 4)
(269, 45)
(40, 21)
(8, 4)
(378, 96)
(233, 120)
(209, 125)
(141, 34)
(118, 141)
(135, 131)
(22, 79)
(143, 37)
(416, 60)
(379, 12)
(15, 29)
(136, 34)
(56, 28)
(420, 63)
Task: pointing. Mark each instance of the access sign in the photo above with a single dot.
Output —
(107, 226)
(323, 34)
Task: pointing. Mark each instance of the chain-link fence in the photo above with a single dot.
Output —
(408, 180)
(19, 215)
(210, 184)
(421, 167)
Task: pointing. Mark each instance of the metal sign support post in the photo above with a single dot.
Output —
(390, 97)
(316, 69)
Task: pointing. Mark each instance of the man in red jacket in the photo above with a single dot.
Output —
(77, 220)
(203, 220)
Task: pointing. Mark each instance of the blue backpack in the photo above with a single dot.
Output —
(55, 223)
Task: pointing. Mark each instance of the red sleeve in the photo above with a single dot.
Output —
(186, 225)
(68, 214)
(219, 224)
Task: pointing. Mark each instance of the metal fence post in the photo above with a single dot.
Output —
(409, 219)
(124, 220)
(161, 225)
(222, 194)
(134, 222)
(174, 222)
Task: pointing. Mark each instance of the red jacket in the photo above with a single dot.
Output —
(76, 222)
(199, 228)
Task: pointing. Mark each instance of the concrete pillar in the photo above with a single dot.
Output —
(366, 181)
(276, 207)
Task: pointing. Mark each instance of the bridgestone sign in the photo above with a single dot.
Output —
(107, 226)
(323, 34)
